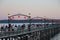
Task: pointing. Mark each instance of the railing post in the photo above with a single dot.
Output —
(1, 38)
(5, 38)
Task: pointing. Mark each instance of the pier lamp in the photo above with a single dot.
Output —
(9, 21)
(9, 24)
(29, 21)
(44, 22)
(8, 18)
(52, 21)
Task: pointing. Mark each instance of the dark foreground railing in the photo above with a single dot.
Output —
(6, 34)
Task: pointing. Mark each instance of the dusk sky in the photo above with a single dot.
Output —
(48, 8)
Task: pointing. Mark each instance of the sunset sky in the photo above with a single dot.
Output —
(47, 8)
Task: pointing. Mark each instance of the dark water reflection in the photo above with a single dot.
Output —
(57, 37)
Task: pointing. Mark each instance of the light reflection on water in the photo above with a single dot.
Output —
(57, 37)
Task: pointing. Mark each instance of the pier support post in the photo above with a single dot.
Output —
(12, 38)
(9, 38)
(15, 38)
(5, 38)
(1, 38)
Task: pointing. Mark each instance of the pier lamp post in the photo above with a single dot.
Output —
(29, 21)
(43, 22)
(9, 23)
(52, 22)
(9, 20)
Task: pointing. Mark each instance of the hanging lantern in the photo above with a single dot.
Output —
(25, 17)
(12, 17)
(18, 17)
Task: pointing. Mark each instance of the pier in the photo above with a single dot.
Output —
(37, 29)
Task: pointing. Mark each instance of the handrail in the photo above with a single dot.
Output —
(13, 33)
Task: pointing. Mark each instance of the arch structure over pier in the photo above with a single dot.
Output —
(19, 15)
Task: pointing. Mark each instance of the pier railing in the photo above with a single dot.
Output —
(4, 34)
